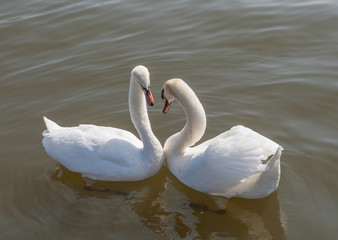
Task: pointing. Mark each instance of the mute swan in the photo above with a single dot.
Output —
(235, 163)
(106, 153)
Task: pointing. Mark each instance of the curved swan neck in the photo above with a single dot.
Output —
(139, 115)
(195, 124)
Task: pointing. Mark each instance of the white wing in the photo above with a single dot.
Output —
(98, 152)
(221, 163)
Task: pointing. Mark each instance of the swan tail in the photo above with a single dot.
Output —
(276, 156)
(268, 181)
(50, 124)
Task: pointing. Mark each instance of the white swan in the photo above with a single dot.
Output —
(235, 163)
(106, 153)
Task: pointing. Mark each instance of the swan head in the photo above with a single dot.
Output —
(171, 90)
(141, 76)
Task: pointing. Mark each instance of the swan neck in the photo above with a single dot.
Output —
(139, 115)
(195, 124)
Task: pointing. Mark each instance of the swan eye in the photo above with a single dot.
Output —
(143, 88)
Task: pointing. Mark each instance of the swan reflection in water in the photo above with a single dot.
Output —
(172, 210)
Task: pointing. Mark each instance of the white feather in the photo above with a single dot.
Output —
(107, 153)
(230, 164)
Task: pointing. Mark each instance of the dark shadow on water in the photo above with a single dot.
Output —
(144, 197)
(174, 211)
(242, 218)
(89, 188)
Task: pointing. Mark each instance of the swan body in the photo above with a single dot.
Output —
(107, 153)
(237, 163)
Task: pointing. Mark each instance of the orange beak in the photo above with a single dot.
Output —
(149, 97)
(166, 106)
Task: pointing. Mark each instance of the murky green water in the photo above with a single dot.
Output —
(268, 65)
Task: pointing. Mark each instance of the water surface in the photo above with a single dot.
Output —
(268, 65)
